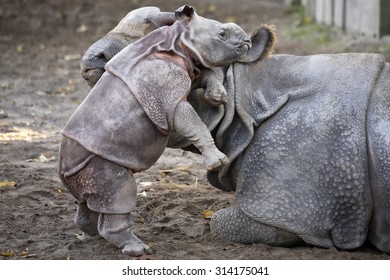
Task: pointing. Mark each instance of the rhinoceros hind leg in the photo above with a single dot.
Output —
(86, 219)
(233, 225)
(117, 229)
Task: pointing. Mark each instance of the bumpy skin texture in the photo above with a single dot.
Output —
(308, 143)
(135, 25)
(124, 123)
(140, 22)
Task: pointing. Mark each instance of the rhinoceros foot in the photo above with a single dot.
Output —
(117, 229)
(232, 224)
(214, 159)
(215, 94)
(136, 247)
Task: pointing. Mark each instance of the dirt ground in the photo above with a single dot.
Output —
(41, 43)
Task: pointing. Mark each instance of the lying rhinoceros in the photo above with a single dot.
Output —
(123, 125)
(308, 139)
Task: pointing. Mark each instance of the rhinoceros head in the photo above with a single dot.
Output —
(221, 44)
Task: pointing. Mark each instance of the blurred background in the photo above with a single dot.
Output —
(367, 18)
(303, 26)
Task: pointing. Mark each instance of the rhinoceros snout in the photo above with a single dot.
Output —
(246, 43)
(244, 46)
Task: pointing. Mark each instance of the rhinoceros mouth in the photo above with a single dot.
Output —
(246, 46)
(242, 49)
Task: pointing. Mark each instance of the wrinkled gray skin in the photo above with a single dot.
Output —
(135, 25)
(308, 139)
(123, 125)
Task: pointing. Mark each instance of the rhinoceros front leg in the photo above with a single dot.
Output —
(212, 82)
(233, 225)
(188, 124)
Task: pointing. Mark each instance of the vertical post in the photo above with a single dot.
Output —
(384, 18)
(370, 18)
(339, 13)
(310, 7)
(320, 10)
(352, 19)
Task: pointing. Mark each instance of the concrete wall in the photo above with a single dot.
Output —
(365, 17)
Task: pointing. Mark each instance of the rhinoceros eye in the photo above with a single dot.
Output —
(222, 34)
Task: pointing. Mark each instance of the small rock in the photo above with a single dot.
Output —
(3, 114)
(193, 231)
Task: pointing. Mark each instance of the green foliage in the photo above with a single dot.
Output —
(305, 29)
(387, 48)
(317, 33)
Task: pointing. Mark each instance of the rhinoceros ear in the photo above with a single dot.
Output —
(263, 40)
(185, 12)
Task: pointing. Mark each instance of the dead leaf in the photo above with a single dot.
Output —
(81, 236)
(8, 253)
(212, 8)
(183, 168)
(144, 194)
(3, 114)
(40, 93)
(60, 191)
(207, 214)
(145, 184)
(166, 172)
(19, 48)
(42, 158)
(7, 184)
(26, 254)
(70, 57)
(82, 28)
(231, 19)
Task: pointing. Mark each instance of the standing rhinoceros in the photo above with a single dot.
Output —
(123, 125)
(308, 139)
